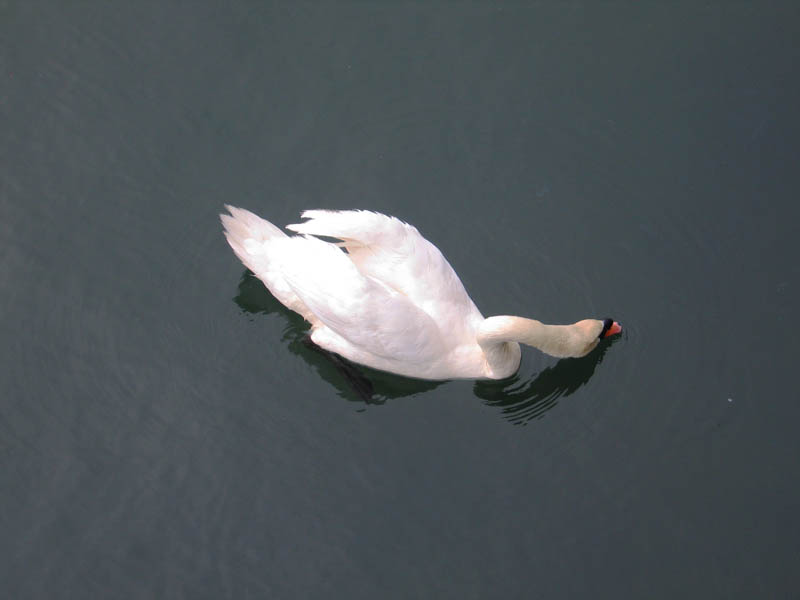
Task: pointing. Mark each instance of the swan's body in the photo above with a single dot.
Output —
(392, 301)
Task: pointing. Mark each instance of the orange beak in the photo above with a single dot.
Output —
(613, 330)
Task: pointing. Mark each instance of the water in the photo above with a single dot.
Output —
(164, 431)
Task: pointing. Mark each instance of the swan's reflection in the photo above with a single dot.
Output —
(359, 384)
(519, 399)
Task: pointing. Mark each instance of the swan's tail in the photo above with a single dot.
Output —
(247, 232)
(260, 245)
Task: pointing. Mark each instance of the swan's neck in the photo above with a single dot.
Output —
(497, 333)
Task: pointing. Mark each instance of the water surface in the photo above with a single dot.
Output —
(164, 431)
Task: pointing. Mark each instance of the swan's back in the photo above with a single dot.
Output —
(390, 301)
(394, 253)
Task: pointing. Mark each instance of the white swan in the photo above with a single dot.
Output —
(392, 301)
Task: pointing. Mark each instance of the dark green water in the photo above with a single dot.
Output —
(164, 432)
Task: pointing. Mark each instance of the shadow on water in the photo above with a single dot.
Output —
(520, 400)
(354, 383)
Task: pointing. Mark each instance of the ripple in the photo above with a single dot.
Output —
(522, 399)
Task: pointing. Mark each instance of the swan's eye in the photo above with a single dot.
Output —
(610, 327)
(607, 323)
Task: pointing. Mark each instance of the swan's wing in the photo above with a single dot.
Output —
(393, 252)
(357, 228)
(368, 314)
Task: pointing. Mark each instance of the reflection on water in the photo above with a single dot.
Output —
(519, 399)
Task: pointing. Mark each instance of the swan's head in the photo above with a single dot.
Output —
(591, 331)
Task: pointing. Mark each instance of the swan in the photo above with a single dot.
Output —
(391, 300)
